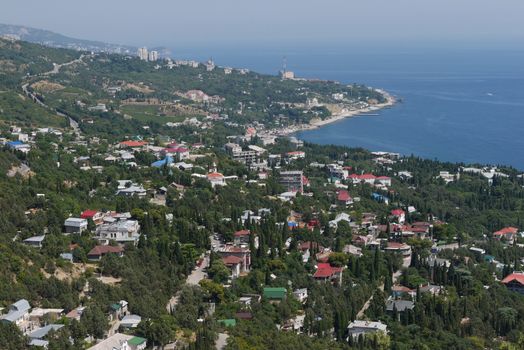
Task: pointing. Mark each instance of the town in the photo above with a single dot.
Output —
(136, 217)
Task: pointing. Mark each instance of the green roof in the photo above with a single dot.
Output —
(116, 306)
(137, 341)
(275, 293)
(230, 322)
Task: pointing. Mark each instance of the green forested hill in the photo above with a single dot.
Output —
(115, 80)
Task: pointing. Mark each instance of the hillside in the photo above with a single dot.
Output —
(153, 94)
(49, 38)
(171, 194)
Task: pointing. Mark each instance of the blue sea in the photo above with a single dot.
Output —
(461, 104)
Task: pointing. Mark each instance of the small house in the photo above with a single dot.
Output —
(275, 294)
(75, 225)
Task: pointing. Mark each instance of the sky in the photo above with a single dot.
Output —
(173, 23)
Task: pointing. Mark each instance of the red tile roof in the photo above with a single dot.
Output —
(505, 231)
(214, 175)
(308, 245)
(516, 276)
(325, 270)
(367, 176)
(343, 196)
(231, 260)
(397, 212)
(396, 245)
(88, 214)
(403, 289)
(105, 249)
(130, 143)
(242, 233)
(176, 150)
(305, 180)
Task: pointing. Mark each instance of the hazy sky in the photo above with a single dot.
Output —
(204, 22)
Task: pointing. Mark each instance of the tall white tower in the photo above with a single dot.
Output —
(143, 54)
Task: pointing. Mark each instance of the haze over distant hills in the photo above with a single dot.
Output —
(48, 38)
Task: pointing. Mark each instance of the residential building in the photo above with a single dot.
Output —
(293, 181)
(18, 314)
(216, 179)
(327, 273)
(244, 254)
(399, 214)
(396, 247)
(352, 250)
(399, 305)
(119, 310)
(132, 190)
(37, 337)
(301, 294)
(19, 146)
(294, 155)
(122, 231)
(275, 294)
(383, 180)
(135, 145)
(296, 324)
(507, 233)
(359, 327)
(36, 241)
(95, 215)
(247, 157)
(98, 252)
(401, 292)
(515, 282)
(75, 225)
(153, 56)
(234, 264)
(121, 341)
(76, 313)
(130, 321)
(143, 54)
(241, 237)
(344, 198)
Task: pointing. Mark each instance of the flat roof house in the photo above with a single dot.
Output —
(359, 327)
(122, 231)
(121, 341)
(75, 225)
(36, 241)
(130, 321)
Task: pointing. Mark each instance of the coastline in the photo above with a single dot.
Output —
(315, 124)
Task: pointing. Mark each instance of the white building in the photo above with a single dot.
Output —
(358, 327)
(121, 341)
(123, 231)
(153, 56)
(75, 225)
(143, 54)
(301, 294)
(18, 314)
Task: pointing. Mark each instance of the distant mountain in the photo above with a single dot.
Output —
(48, 38)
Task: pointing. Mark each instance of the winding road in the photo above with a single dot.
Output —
(56, 69)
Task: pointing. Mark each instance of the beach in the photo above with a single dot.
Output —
(317, 123)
